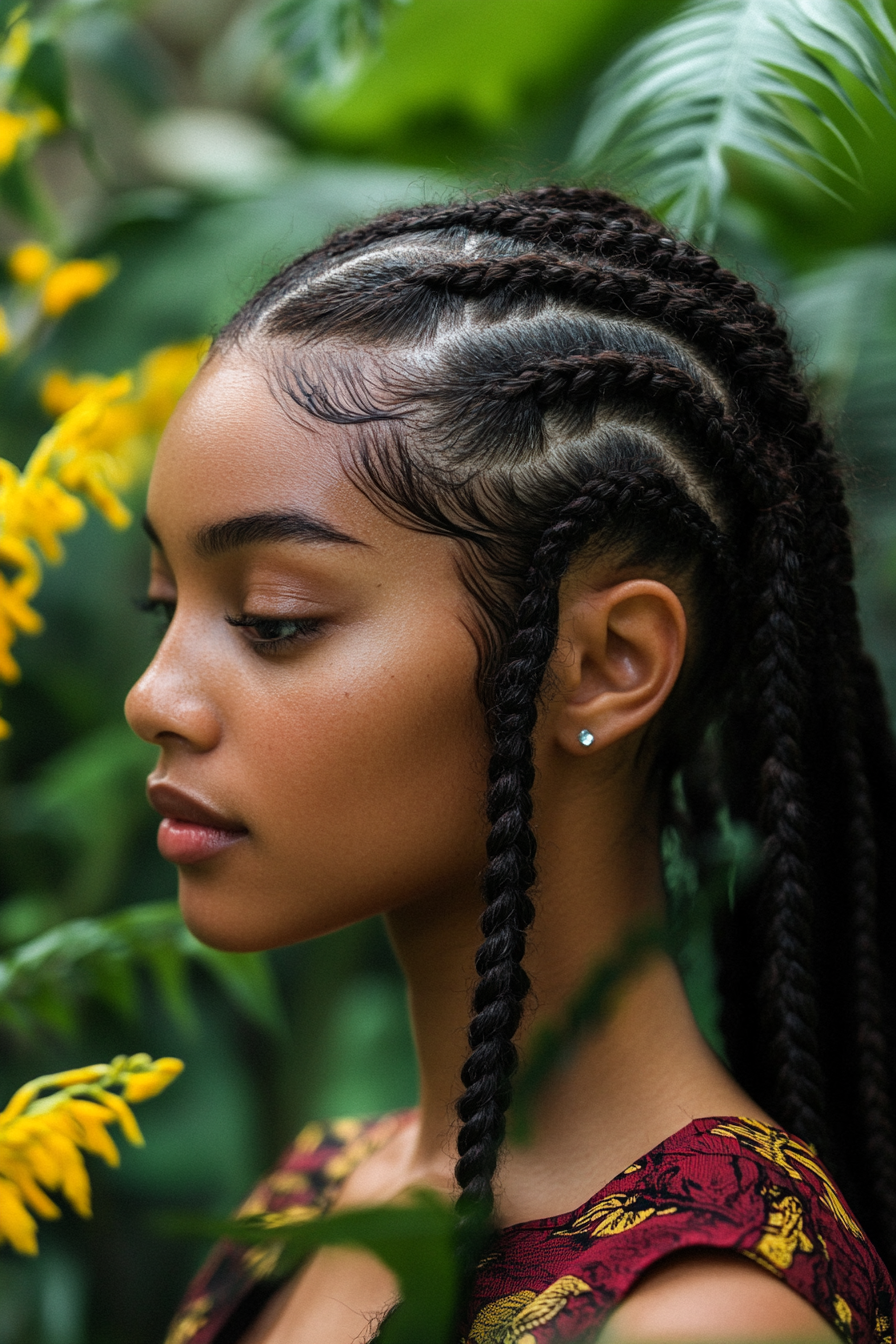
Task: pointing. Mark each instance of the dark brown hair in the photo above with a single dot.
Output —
(552, 370)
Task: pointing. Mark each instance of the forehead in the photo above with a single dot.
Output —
(231, 442)
(232, 449)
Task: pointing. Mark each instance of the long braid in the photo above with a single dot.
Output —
(864, 833)
(781, 694)
(510, 873)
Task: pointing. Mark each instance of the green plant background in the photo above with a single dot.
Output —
(212, 142)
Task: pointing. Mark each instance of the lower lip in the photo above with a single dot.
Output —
(188, 842)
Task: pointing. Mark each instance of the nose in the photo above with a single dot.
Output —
(170, 705)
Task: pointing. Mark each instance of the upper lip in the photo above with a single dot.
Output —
(173, 802)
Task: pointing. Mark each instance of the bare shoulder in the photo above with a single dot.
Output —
(710, 1295)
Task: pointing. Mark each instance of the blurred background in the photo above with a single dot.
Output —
(203, 143)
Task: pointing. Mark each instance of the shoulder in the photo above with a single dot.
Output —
(730, 1229)
(714, 1296)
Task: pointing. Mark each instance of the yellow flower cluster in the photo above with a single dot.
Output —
(25, 124)
(47, 287)
(43, 1133)
(103, 438)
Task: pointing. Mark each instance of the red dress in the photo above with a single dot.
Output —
(728, 1184)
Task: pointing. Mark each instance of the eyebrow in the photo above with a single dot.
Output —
(232, 533)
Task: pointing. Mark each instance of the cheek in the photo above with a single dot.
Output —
(363, 788)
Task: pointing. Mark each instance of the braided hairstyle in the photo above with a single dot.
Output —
(550, 373)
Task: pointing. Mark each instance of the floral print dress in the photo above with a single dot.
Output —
(728, 1184)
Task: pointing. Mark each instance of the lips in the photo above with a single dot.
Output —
(190, 830)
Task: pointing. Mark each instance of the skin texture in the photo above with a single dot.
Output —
(351, 762)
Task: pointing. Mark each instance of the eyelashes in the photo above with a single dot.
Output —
(272, 634)
(266, 634)
(158, 607)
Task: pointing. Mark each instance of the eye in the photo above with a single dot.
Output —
(269, 634)
(157, 606)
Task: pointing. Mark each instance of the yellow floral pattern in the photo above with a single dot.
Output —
(794, 1157)
(783, 1233)
(511, 1320)
(731, 1184)
(617, 1213)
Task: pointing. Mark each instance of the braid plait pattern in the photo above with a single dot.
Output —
(503, 984)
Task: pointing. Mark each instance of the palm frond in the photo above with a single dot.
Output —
(43, 982)
(844, 316)
(734, 77)
(323, 39)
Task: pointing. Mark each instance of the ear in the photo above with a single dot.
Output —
(619, 654)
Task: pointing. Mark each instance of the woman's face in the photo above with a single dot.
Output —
(321, 748)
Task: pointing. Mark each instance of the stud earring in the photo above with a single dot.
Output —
(586, 737)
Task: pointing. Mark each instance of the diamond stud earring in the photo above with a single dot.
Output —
(586, 737)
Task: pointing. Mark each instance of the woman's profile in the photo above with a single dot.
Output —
(496, 537)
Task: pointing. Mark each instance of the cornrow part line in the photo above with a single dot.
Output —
(510, 872)
(539, 216)
(614, 375)
(789, 991)
(712, 308)
(749, 345)
(582, 222)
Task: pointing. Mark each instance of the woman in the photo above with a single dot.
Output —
(527, 490)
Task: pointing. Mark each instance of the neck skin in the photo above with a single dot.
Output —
(644, 1073)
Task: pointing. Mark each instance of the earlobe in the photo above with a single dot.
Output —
(623, 650)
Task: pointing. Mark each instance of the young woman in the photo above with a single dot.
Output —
(508, 522)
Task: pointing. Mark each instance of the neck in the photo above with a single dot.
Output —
(641, 1074)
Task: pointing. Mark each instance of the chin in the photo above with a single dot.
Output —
(226, 924)
(238, 919)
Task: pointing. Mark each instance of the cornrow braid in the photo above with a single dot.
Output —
(503, 984)
(553, 370)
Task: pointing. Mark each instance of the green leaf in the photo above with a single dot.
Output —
(45, 77)
(166, 963)
(90, 797)
(43, 981)
(844, 315)
(554, 1042)
(246, 978)
(730, 78)
(450, 76)
(322, 39)
(24, 196)
(418, 1241)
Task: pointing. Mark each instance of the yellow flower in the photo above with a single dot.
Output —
(164, 376)
(5, 333)
(147, 1082)
(16, 127)
(13, 129)
(60, 393)
(101, 442)
(74, 281)
(29, 262)
(51, 1121)
(17, 47)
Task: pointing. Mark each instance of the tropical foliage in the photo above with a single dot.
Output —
(157, 161)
